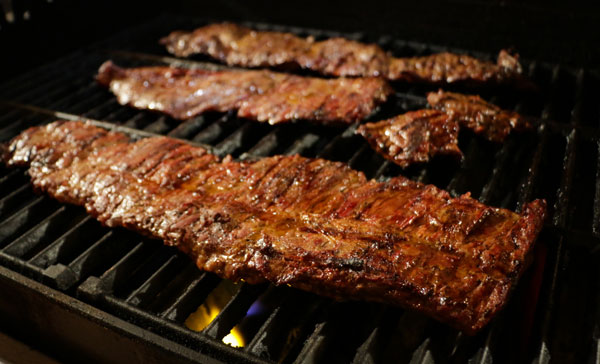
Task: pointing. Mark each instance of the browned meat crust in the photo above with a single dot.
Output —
(419, 135)
(310, 223)
(259, 95)
(241, 46)
(482, 117)
(449, 68)
(413, 137)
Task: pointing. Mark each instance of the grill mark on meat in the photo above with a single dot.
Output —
(240, 46)
(259, 95)
(412, 245)
(153, 158)
(413, 137)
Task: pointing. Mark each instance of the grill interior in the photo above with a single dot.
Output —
(145, 291)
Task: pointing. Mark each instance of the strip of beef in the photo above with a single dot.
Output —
(310, 223)
(238, 45)
(259, 95)
(241, 46)
(417, 136)
(482, 117)
(413, 137)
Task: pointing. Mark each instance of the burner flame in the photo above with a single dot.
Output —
(210, 309)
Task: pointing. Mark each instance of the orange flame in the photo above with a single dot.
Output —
(211, 307)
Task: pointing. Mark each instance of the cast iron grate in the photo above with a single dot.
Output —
(553, 315)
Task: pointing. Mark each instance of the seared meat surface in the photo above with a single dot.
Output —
(310, 223)
(259, 95)
(450, 68)
(413, 137)
(240, 46)
(472, 112)
(417, 136)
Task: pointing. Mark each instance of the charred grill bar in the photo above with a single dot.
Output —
(136, 295)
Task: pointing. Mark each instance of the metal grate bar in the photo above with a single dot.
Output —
(91, 98)
(176, 332)
(559, 219)
(473, 170)
(291, 317)
(191, 297)
(188, 128)
(596, 219)
(64, 247)
(233, 312)
(101, 253)
(370, 350)
(215, 131)
(41, 233)
(98, 111)
(340, 144)
(43, 92)
(485, 355)
(13, 129)
(493, 189)
(337, 338)
(40, 75)
(564, 192)
(594, 356)
(13, 182)
(141, 120)
(144, 294)
(310, 350)
(549, 110)
(14, 199)
(135, 121)
(526, 190)
(577, 110)
(138, 267)
(33, 119)
(303, 144)
(119, 113)
(21, 220)
(179, 282)
(239, 139)
(46, 94)
(116, 276)
(160, 126)
(267, 144)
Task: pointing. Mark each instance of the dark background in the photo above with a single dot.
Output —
(565, 32)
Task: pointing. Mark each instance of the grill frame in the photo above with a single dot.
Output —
(560, 242)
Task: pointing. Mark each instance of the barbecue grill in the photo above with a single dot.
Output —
(80, 290)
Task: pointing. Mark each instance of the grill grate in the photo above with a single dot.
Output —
(553, 315)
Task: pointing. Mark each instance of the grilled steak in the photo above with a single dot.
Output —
(241, 46)
(259, 95)
(413, 137)
(482, 117)
(310, 223)
(450, 68)
(419, 135)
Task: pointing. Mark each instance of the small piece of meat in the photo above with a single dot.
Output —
(446, 68)
(413, 137)
(237, 45)
(310, 223)
(419, 135)
(241, 46)
(259, 95)
(482, 117)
